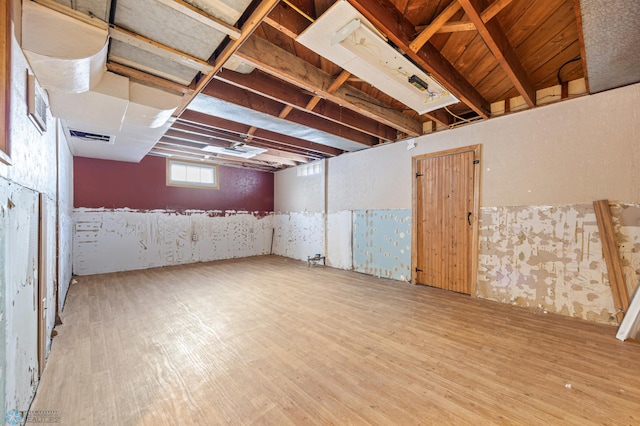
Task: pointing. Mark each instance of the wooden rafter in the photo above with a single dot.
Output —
(159, 49)
(282, 140)
(454, 26)
(202, 141)
(226, 136)
(145, 78)
(497, 42)
(276, 89)
(583, 52)
(291, 24)
(384, 16)
(288, 67)
(261, 11)
(238, 96)
(202, 17)
(434, 26)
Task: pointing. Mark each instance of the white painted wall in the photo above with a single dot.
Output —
(124, 240)
(34, 157)
(573, 152)
(298, 191)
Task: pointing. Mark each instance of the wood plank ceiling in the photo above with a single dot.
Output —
(301, 107)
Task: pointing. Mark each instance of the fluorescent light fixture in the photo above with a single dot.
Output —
(347, 39)
(244, 151)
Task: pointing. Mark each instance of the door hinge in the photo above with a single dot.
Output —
(419, 174)
(476, 161)
(419, 270)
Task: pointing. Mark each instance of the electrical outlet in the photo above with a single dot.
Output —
(194, 237)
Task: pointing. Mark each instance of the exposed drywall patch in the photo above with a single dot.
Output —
(545, 257)
(382, 243)
(299, 234)
(122, 240)
(626, 219)
(339, 240)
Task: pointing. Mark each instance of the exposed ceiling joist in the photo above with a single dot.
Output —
(388, 19)
(497, 42)
(202, 17)
(174, 150)
(159, 49)
(434, 26)
(203, 141)
(293, 97)
(454, 26)
(227, 137)
(260, 12)
(230, 93)
(61, 8)
(288, 67)
(145, 78)
(283, 140)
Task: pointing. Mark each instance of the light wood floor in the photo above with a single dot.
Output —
(269, 341)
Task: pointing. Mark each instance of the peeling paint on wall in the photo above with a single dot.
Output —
(122, 240)
(545, 257)
(299, 234)
(20, 279)
(626, 219)
(382, 243)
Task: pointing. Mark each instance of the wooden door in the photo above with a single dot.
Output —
(445, 225)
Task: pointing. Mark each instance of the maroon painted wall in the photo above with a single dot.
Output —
(142, 186)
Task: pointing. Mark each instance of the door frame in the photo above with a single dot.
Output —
(477, 149)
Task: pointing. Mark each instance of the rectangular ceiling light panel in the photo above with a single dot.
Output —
(346, 38)
(244, 151)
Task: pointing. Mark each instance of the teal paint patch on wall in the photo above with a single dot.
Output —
(382, 243)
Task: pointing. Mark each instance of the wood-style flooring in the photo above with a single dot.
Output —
(268, 340)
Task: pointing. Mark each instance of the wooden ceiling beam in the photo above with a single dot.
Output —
(202, 17)
(260, 12)
(203, 141)
(434, 26)
(497, 42)
(177, 151)
(238, 96)
(456, 26)
(284, 140)
(288, 67)
(159, 49)
(583, 52)
(278, 90)
(291, 24)
(145, 78)
(387, 18)
(227, 137)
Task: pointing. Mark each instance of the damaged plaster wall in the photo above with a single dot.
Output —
(552, 157)
(31, 175)
(65, 217)
(300, 219)
(544, 257)
(299, 235)
(122, 240)
(382, 243)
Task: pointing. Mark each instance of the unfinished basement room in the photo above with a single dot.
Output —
(320, 212)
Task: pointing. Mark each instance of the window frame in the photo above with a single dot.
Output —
(185, 184)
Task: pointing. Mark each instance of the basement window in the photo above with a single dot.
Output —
(191, 174)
